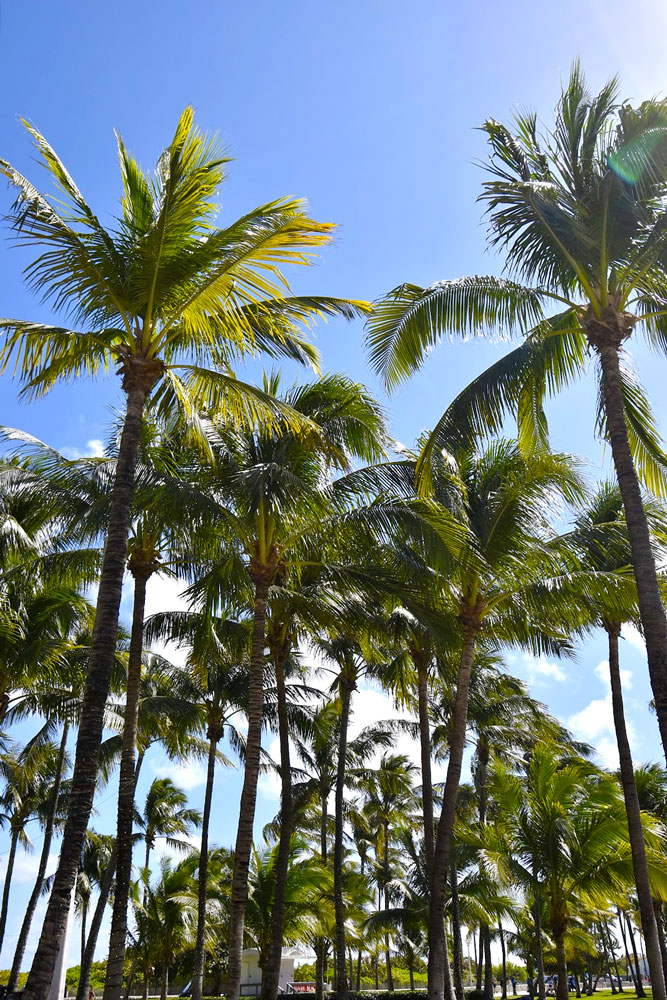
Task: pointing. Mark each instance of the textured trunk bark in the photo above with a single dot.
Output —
(319, 970)
(359, 956)
(165, 985)
(605, 955)
(436, 954)
(457, 948)
(113, 983)
(449, 985)
(249, 794)
(214, 735)
(539, 951)
(425, 746)
(41, 871)
(641, 992)
(630, 969)
(319, 945)
(100, 664)
(562, 992)
(503, 953)
(386, 877)
(83, 989)
(479, 971)
(13, 844)
(612, 952)
(651, 609)
(84, 921)
(635, 829)
(339, 903)
(661, 935)
(488, 968)
(271, 980)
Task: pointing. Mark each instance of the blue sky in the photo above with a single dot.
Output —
(369, 109)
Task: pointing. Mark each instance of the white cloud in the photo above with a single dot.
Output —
(187, 775)
(93, 449)
(163, 593)
(602, 671)
(595, 722)
(632, 635)
(538, 667)
(165, 850)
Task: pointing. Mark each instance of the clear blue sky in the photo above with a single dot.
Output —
(367, 108)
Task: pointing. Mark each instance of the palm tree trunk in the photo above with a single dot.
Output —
(459, 988)
(100, 664)
(488, 967)
(628, 963)
(271, 980)
(449, 985)
(386, 875)
(425, 746)
(641, 992)
(41, 871)
(651, 609)
(319, 944)
(503, 951)
(84, 921)
(479, 971)
(214, 735)
(605, 955)
(83, 989)
(436, 954)
(165, 984)
(244, 834)
(562, 992)
(633, 812)
(342, 988)
(661, 936)
(539, 951)
(113, 982)
(612, 952)
(13, 844)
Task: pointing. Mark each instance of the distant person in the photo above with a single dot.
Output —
(513, 982)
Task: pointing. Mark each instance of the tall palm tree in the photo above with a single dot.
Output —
(307, 883)
(166, 919)
(563, 839)
(94, 860)
(391, 800)
(578, 210)
(600, 539)
(156, 297)
(27, 775)
(216, 682)
(166, 814)
(271, 489)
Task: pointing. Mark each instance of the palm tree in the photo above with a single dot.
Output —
(216, 681)
(492, 575)
(272, 488)
(579, 214)
(96, 856)
(600, 539)
(163, 290)
(166, 814)
(318, 756)
(306, 887)
(166, 919)
(563, 839)
(27, 775)
(391, 800)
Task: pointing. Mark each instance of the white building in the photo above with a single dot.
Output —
(251, 974)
